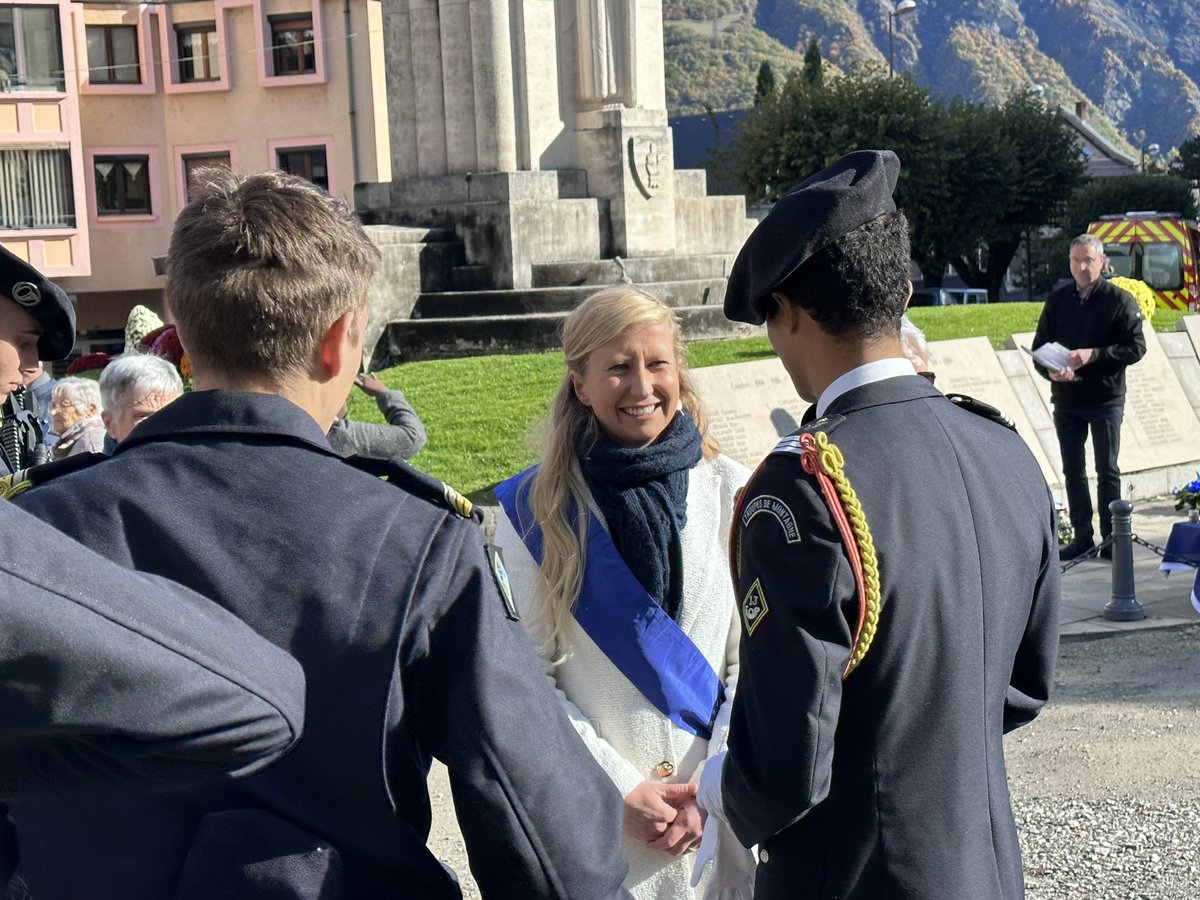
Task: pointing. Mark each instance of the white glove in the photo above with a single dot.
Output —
(708, 792)
(732, 875)
(707, 849)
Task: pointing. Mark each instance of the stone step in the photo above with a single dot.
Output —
(691, 183)
(471, 278)
(451, 338)
(462, 305)
(407, 234)
(639, 269)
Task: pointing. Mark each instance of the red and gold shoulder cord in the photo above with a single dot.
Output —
(824, 461)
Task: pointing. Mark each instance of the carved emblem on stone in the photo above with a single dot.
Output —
(645, 165)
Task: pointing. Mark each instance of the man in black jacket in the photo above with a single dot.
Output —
(1101, 325)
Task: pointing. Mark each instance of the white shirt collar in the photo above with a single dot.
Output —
(868, 373)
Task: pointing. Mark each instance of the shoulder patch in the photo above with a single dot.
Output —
(768, 504)
(986, 410)
(754, 607)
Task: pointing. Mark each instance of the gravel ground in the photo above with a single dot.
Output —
(1105, 783)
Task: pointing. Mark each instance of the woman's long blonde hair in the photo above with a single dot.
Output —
(557, 495)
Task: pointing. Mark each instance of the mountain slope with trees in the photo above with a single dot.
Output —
(1135, 62)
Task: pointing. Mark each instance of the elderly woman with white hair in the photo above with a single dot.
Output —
(132, 388)
(75, 417)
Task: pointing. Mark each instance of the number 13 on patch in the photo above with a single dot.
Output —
(754, 607)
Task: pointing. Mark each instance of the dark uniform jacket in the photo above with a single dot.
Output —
(388, 602)
(108, 676)
(21, 441)
(1110, 321)
(891, 784)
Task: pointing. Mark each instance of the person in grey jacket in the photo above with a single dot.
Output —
(403, 436)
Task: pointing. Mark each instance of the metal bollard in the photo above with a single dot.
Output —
(1124, 606)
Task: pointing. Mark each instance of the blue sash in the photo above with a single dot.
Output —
(638, 637)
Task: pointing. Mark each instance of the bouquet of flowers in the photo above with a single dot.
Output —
(1142, 293)
(1066, 531)
(142, 320)
(1188, 496)
(164, 342)
(89, 365)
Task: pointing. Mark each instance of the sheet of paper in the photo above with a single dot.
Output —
(1052, 355)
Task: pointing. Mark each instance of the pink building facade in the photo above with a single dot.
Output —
(42, 200)
(150, 93)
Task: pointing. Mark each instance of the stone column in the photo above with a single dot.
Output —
(421, 55)
(401, 92)
(457, 80)
(495, 119)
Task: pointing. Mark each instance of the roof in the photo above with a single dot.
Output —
(1103, 159)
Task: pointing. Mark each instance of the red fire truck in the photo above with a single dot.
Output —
(1159, 248)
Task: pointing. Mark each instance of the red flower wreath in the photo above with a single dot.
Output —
(89, 362)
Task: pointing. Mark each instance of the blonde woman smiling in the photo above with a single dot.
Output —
(617, 552)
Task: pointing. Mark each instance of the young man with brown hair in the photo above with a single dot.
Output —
(108, 677)
(383, 593)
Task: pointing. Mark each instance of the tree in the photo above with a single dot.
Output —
(814, 70)
(973, 176)
(1114, 196)
(764, 86)
(1188, 164)
(1042, 168)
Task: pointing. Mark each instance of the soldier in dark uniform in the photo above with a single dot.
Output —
(108, 677)
(25, 312)
(895, 560)
(384, 592)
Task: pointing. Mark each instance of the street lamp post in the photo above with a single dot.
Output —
(898, 9)
(1029, 263)
(1152, 149)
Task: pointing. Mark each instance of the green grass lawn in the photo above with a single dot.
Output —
(480, 413)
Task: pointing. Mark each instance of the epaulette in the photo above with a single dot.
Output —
(970, 404)
(791, 443)
(417, 483)
(24, 479)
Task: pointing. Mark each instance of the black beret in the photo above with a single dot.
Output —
(851, 192)
(44, 300)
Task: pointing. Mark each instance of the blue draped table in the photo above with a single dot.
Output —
(1183, 552)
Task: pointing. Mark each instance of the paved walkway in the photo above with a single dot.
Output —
(1087, 587)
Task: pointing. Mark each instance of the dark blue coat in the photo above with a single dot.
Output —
(388, 602)
(107, 676)
(890, 785)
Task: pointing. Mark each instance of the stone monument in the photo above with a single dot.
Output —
(537, 130)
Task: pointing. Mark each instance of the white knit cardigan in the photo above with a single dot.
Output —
(626, 734)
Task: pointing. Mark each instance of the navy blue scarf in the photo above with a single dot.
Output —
(642, 495)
